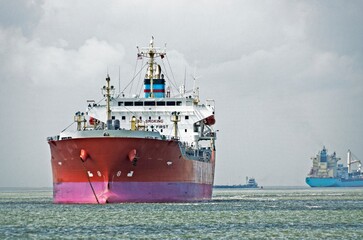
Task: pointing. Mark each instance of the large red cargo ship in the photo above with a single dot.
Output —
(155, 148)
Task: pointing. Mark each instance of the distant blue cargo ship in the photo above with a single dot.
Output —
(326, 172)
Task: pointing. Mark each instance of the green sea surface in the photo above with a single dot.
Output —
(280, 213)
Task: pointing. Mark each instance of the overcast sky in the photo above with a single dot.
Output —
(287, 76)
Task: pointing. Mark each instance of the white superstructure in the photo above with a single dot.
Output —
(156, 115)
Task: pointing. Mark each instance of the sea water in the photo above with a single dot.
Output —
(333, 213)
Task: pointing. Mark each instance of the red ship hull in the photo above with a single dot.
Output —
(115, 169)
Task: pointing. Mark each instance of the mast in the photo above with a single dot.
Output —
(349, 160)
(107, 93)
(154, 81)
(175, 119)
(151, 66)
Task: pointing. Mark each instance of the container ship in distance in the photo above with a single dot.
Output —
(154, 148)
(327, 172)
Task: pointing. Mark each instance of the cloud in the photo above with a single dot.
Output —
(277, 106)
(333, 26)
(21, 14)
(56, 65)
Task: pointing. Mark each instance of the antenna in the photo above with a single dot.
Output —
(119, 80)
(185, 76)
(194, 79)
(182, 87)
(195, 89)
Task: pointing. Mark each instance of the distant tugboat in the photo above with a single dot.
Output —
(250, 183)
(327, 172)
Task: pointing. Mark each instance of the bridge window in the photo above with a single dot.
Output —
(186, 117)
(149, 103)
(170, 103)
(162, 103)
(178, 103)
(139, 103)
(120, 103)
(129, 103)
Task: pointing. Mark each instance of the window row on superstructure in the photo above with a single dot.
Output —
(151, 103)
(123, 117)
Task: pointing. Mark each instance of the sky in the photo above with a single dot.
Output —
(286, 76)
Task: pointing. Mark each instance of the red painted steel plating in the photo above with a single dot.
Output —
(108, 164)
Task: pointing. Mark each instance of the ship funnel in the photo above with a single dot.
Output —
(323, 155)
(154, 82)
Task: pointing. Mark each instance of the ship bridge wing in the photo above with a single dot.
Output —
(203, 112)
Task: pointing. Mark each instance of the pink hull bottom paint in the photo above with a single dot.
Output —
(118, 192)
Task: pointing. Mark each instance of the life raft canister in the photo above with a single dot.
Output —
(92, 121)
(210, 120)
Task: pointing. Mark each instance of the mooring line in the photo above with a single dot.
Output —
(89, 181)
